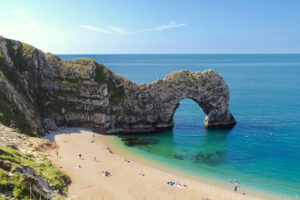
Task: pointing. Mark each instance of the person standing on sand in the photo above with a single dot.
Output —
(235, 187)
(79, 155)
(57, 154)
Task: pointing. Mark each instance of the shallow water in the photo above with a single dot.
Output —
(262, 151)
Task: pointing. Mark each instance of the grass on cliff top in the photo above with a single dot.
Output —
(85, 61)
(82, 64)
(18, 183)
(27, 50)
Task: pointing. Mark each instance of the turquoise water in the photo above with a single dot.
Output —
(262, 151)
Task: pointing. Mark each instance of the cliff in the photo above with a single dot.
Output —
(39, 91)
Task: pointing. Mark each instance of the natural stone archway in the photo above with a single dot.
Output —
(162, 98)
(48, 91)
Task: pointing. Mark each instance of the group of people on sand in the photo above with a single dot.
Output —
(173, 183)
(141, 174)
(236, 185)
(93, 140)
(76, 167)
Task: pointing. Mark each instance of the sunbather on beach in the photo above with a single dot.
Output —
(109, 150)
(106, 173)
(141, 174)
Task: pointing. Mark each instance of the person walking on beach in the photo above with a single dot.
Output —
(79, 155)
(235, 187)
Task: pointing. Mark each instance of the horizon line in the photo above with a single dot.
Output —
(173, 53)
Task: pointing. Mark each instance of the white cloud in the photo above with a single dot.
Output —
(20, 13)
(93, 28)
(112, 29)
(118, 29)
(162, 27)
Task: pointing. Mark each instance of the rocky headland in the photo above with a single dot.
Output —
(40, 91)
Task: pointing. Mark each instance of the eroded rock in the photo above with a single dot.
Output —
(51, 92)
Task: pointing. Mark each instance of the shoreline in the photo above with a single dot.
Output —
(252, 192)
(125, 182)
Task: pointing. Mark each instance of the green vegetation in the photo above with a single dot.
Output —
(1, 53)
(84, 61)
(104, 76)
(59, 105)
(19, 185)
(69, 83)
(19, 73)
(82, 64)
(21, 55)
(99, 109)
(27, 51)
(11, 116)
(10, 74)
(174, 74)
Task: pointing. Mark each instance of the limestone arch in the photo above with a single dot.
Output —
(207, 89)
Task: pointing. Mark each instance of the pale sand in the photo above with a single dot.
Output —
(125, 183)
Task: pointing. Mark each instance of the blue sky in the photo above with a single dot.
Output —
(165, 26)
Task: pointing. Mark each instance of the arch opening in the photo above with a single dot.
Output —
(188, 114)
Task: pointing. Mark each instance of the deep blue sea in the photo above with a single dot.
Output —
(262, 151)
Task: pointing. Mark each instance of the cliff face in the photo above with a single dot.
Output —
(44, 91)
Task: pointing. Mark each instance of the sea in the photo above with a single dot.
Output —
(262, 151)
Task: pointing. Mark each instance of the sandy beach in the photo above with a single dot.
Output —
(126, 181)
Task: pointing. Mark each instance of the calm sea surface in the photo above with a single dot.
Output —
(262, 151)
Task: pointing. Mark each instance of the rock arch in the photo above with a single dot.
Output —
(162, 97)
(48, 91)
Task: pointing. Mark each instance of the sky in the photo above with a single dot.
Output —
(164, 26)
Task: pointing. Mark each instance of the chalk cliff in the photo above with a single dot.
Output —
(39, 91)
